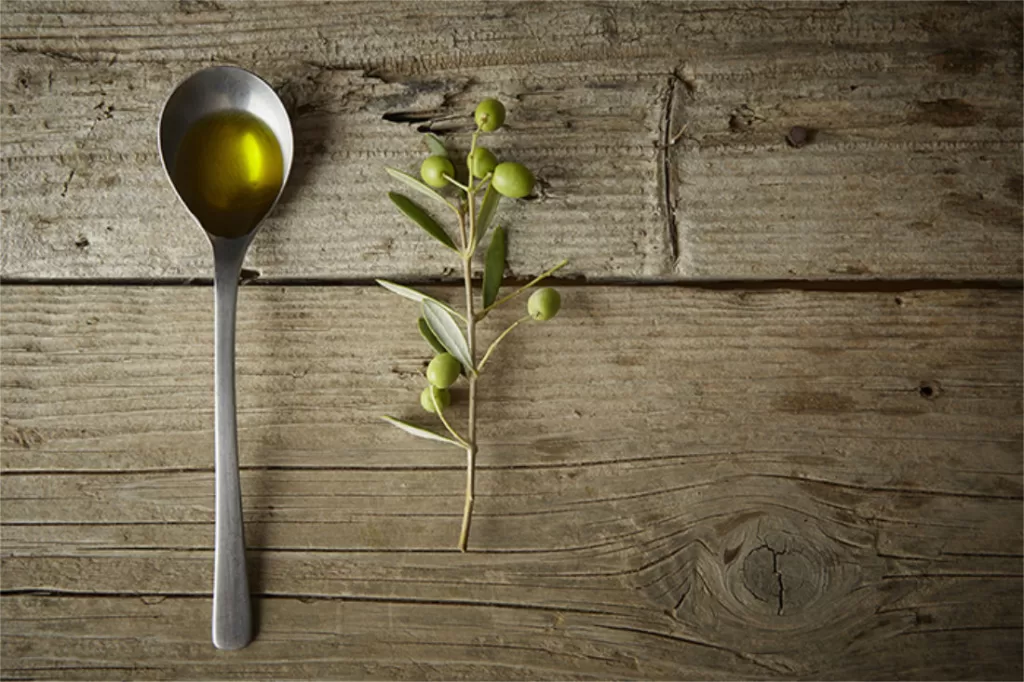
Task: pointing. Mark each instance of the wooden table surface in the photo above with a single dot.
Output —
(776, 433)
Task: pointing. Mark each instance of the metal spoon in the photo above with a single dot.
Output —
(209, 91)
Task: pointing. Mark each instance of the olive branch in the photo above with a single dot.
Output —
(440, 324)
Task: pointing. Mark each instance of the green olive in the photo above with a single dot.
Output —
(433, 393)
(443, 370)
(544, 304)
(489, 115)
(512, 179)
(434, 169)
(482, 161)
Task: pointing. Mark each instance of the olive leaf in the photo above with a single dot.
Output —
(447, 331)
(434, 145)
(419, 215)
(428, 336)
(417, 185)
(413, 295)
(494, 266)
(487, 208)
(419, 432)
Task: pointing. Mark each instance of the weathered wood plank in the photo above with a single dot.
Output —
(657, 129)
(683, 484)
(891, 173)
(676, 577)
(111, 378)
(597, 547)
(157, 638)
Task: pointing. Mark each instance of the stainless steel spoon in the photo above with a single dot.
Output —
(211, 91)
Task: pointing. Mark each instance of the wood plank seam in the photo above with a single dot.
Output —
(755, 284)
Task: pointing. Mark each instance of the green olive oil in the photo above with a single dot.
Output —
(228, 170)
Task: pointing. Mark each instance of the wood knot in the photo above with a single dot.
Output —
(785, 568)
(783, 579)
(766, 572)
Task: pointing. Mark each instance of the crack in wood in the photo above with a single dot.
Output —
(59, 55)
(696, 642)
(312, 597)
(67, 181)
(778, 574)
(665, 151)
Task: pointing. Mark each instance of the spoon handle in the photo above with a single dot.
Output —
(232, 615)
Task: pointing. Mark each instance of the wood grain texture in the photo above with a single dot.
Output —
(675, 482)
(657, 129)
(684, 483)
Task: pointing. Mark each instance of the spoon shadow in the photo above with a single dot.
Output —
(311, 129)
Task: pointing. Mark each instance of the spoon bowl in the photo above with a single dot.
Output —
(203, 95)
(226, 145)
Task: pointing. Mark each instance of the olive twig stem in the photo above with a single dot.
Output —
(462, 235)
(494, 344)
(520, 290)
(467, 273)
(472, 143)
(470, 163)
(467, 270)
(440, 413)
(455, 182)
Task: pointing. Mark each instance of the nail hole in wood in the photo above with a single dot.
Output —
(798, 136)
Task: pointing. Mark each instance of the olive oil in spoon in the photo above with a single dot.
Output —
(228, 171)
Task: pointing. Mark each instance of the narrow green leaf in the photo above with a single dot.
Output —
(434, 145)
(415, 184)
(419, 432)
(418, 296)
(419, 215)
(428, 335)
(447, 331)
(487, 208)
(494, 266)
